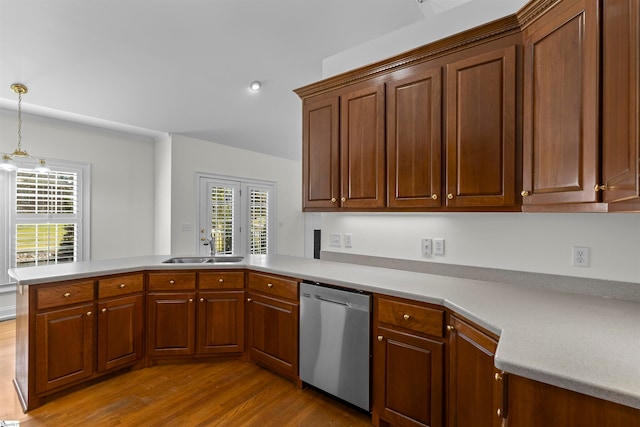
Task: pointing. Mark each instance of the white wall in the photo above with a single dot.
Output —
(122, 181)
(433, 27)
(538, 243)
(191, 155)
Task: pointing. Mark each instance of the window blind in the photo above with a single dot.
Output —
(46, 227)
(259, 221)
(222, 218)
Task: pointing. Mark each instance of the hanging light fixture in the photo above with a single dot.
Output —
(8, 163)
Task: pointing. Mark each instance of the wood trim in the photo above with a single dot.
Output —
(474, 36)
(534, 10)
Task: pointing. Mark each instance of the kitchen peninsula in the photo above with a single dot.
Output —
(575, 343)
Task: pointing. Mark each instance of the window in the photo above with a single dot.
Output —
(48, 215)
(235, 215)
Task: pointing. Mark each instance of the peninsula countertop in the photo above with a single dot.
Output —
(587, 344)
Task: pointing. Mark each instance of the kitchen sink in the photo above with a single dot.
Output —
(203, 259)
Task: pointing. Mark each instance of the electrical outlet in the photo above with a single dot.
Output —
(336, 240)
(426, 246)
(347, 240)
(438, 247)
(580, 256)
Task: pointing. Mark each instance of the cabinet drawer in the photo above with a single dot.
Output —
(172, 281)
(415, 317)
(273, 285)
(122, 285)
(221, 280)
(67, 294)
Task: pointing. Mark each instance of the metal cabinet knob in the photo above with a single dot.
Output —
(67, 294)
(333, 200)
(201, 299)
(597, 188)
(497, 376)
(104, 310)
(270, 285)
(172, 282)
(450, 328)
(248, 299)
(89, 314)
(499, 412)
(344, 199)
(524, 193)
(406, 317)
(380, 337)
(122, 285)
(190, 299)
(220, 280)
(434, 196)
(450, 196)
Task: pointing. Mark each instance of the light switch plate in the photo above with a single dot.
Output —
(336, 240)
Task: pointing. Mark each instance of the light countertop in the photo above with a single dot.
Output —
(582, 343)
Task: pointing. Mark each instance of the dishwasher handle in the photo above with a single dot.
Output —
(332, 301)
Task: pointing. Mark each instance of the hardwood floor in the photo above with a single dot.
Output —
(226, 393)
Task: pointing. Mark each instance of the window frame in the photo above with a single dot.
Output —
(11, 220)
(242, 226)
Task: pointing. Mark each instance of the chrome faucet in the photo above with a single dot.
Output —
(212, 245)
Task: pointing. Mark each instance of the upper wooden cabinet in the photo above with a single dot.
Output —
(435, 128)
(560, 113)
(481, 133)
(344, 149)
(321, 152)
(362, 148)
(620, 104)
(414, 138)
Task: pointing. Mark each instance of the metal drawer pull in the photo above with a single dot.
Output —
(380, 337)
(190, 299)
(104, 310)
(67, 294)
(172, 281)
(122, 285)
(270, 285)
(406, 317)
(220, 280)
(201, 299)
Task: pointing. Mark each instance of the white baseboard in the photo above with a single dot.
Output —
(8, 312)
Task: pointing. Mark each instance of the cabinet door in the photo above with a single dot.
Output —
(64, 347)
(408, 379)
(171, 324)
(414, 139)
(481, 130)
(475, 392)
(220, 322)
(620, 109)
(560, 121)
(362, 148)
(273, 334)
(120, 332)
(321, 152)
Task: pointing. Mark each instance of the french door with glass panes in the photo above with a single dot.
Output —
(235, 216)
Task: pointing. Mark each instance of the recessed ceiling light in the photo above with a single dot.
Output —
(255, 86)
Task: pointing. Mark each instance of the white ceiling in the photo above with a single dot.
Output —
(184, 66)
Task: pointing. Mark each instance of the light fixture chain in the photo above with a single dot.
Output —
(19, 120)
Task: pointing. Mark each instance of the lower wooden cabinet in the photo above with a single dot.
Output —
(120, 332)
(408, 364)
(476, 395)
(273, 323)
(220, 322)
(534, 404)
(64, 350)
(171, 324)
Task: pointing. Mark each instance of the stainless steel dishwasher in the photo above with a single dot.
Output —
(335, 342)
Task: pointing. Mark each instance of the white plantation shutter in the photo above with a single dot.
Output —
(47, 217)
(223, 218)
(258, 221)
